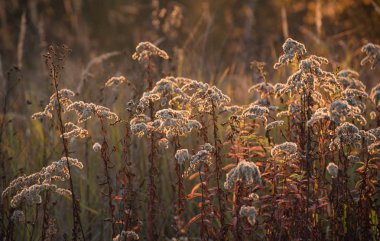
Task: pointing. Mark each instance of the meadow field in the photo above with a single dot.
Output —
(189, 120)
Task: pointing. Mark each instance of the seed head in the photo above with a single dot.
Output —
(332, 169)
(245, 172)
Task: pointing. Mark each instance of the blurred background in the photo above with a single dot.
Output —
(209, 40)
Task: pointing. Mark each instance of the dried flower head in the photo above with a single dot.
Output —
(73, 131)
(292, 50)
(64, 96)
(86, 110)
(27, 189)
(346, 134)
(182, 156)
(274, 124)
(250, 212)
(255, 112)
(202, 157)
(245, 172)
(373, 55)
(285, 149)
(163, 143)
(116, 80)
(146, 50)
(264, 89)
(126, 235)
(375, 95)
(96, 147)
(332, 169)
(321, 115)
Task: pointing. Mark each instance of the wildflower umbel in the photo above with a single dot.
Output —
(245, 172)
(292, 50)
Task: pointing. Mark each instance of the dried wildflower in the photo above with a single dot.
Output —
(374, 148)
(274, 124)
(96, 147)
(292, 50)
(168, 91)
(332, 169)
(20, 183)
(163, 143)
(284, 149)
(145, 50)
(263, 88)
(352, 93)
(126, 235)
(31, 195)
(202, 157)
(320, 115)
(373, 55)
(73, 131)
(368, 136)
(174, 122)
(341, 109)
(182, 156)
(346, 133)
(86, 110)
(203, 97)
(64, 96)
(375, 132)
(348, 73)
(63, 192)
(28, 188)
(18, 216)
(250, 212)
(115, 81)
(375, 95)
(245, 172)
(255, 112)
(232, 109)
